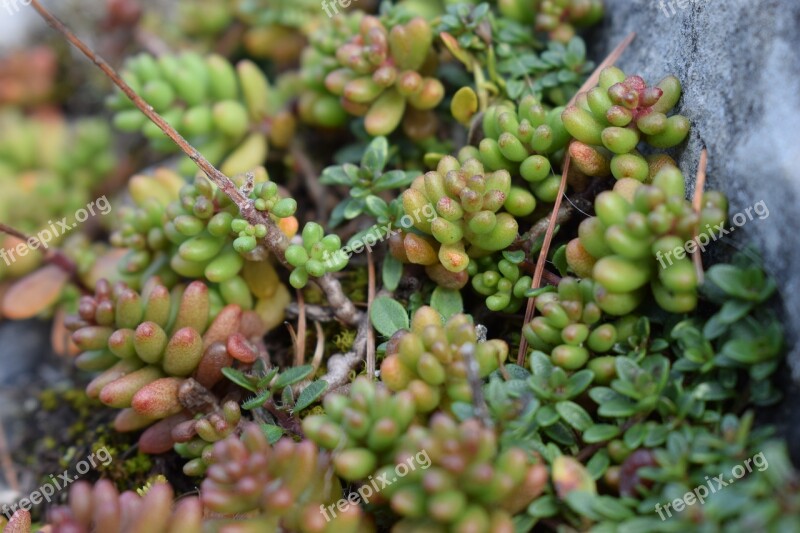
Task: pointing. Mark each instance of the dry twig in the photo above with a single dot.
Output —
(697, 202)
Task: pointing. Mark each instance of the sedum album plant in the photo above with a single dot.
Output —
(292, 384)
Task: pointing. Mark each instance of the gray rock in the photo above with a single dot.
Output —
(739, 62)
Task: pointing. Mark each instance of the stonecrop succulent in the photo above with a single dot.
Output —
(571, 332)
(640, 236)
(284, 486)
(611, 120)
(192, 230)
(469, 482)
(500, 280)
(148, 344)
(385, 75)
(361, 428)
(103, 508)
(48, 170)
(472, 209)
(230, 112)
(431, 359)
(558, 18)
(378, 395)
(525, 140)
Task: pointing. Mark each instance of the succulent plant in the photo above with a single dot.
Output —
(48, 169)
(225, 110)
(500, 280)
(192, 230)
(570, 330)
(467, 202)
(316, 256)
(611, 120)
(148, 344)
(431, 359)
(524, 140)
(102, 508)
(384, 75)
(194, 439)
(361, 428)
(286, 484)
(638, 237)
(317, 106)
(469, 484)
(277, 30)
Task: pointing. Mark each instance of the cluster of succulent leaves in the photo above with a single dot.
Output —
(218, 107)
(626, 400)
(190, 230)
(47, 169)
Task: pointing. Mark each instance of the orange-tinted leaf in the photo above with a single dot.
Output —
(34, 293)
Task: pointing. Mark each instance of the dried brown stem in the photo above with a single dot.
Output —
(697, 203)
(300, 345)
(275, 240)
(370, 331)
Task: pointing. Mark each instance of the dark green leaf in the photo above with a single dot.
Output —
(598, 464)
(574, 415)
(291, 376)
(257, 400)
(600, 433)
(617, 409)
(560, 260)
(238, 377)
(335, 176)
(377, 207)
(543, 507)
(310, 394)
(375, 157)
(394, 179)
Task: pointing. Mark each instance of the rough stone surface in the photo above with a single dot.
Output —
(739, 62)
